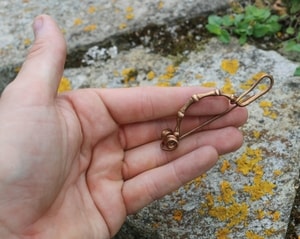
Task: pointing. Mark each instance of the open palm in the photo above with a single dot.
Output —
(75, 165)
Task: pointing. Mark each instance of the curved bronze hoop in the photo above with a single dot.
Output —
(171, 138)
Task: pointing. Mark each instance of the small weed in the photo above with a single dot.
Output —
(260, 22)
(253, 22)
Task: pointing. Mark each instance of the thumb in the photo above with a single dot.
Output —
(41, 72)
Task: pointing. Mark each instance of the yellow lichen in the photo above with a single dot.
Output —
(260, 214)
(256, 134)
(90, 28)
(129, 13)
(269, 232)
(227, 192)
(228, 87)
(246, 85)
(276, 216)
(129, 74)
(163, 79)
(27, 41)
(160, 5)
(151, 75)
(92, 9)
(122, 26)
(233, 214)
(209, 199)
(64, 85)
(277, 173)
(252, 235)
(223, 233)
(266, 105)
(209, 84)
(248, 160)
(78, 21)
(259, 188)
(177, 215)
(198, 76)
(225, 166)
(231, 66)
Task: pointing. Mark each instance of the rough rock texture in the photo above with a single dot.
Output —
(249, 193)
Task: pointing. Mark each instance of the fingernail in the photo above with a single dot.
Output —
(38, 25)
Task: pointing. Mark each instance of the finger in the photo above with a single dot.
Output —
(148, 103)
(141, 133)
(42, 70)
(153, 184)
(150, 156)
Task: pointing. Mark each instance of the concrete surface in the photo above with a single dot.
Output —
(249, 193)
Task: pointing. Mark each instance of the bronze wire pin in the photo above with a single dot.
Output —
(170, 138)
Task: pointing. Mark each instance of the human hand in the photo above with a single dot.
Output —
(74, 165)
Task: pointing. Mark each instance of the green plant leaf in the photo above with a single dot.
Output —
(215, 20)
(227, 20)
(254, 13)
(238, 18)
(260, 30)
(297, 71)
(243, 39)
(292, 45)
(214, 29)
(295, 6)
(224, 36)
(274, 27)
(290, 31)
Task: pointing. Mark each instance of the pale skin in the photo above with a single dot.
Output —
(74, 165)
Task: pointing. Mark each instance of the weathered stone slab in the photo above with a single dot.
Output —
(249, 193)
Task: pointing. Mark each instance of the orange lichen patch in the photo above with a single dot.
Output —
(228, 88)
(259, 188)
(256, 134)
(196, 182)
(223, 233)
(90, 28)
(265, 103)
(17, 69)
(225, 166)
(170, 72)
(227, 192)
(234, 214)
(266, 106)
(260, 214)
(160, 5)
(277, 173)
(64, 85)
(155, 225)
(27, 41)
(151, 75)
(91, 9)
(177, 215)
(276, 216)
(270, 232)
(129, 74)
(77, 21)
(231, 66)
(129, 13)
(122, 26)
(248, 161)
(210, 199)
(246, 85)
(252, 235)
(198, 76)
(163, 80)
(209, 84)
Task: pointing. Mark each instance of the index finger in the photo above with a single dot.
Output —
(131, 105)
